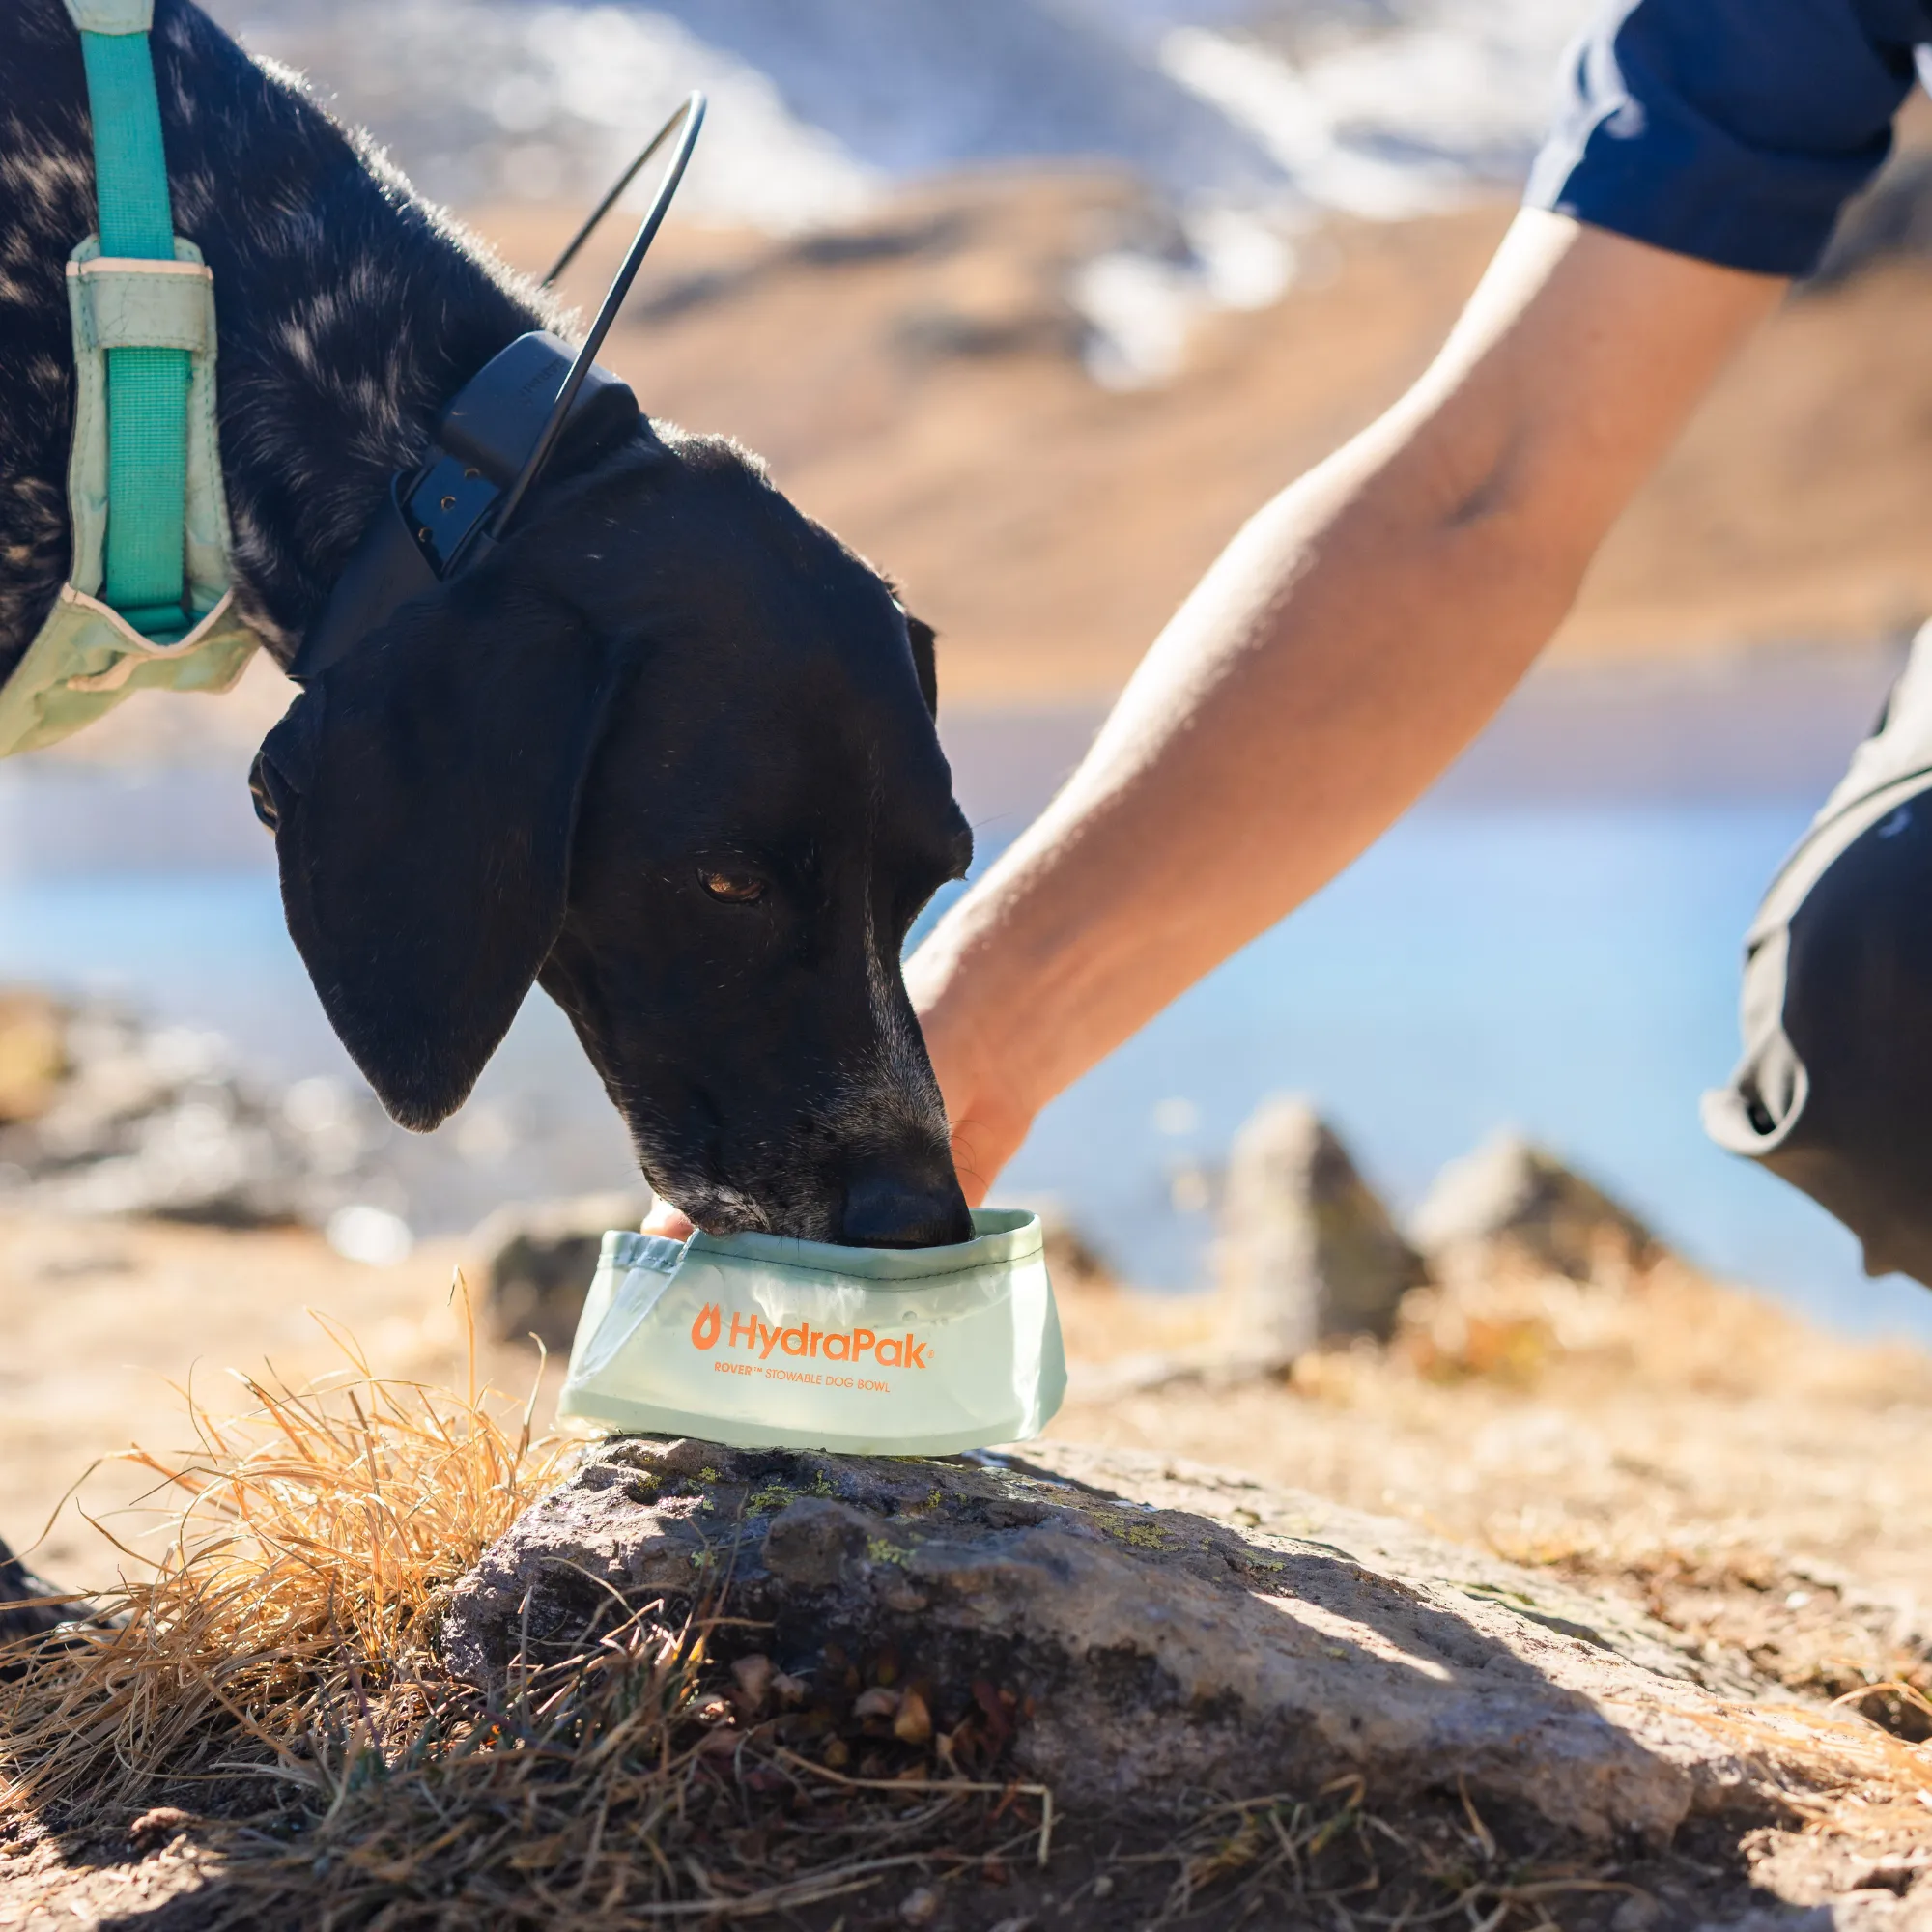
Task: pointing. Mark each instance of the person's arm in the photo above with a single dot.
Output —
(1345, 647)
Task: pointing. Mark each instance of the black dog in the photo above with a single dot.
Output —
(668, 754)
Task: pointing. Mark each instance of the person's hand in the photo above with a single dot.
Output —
(988, 1117)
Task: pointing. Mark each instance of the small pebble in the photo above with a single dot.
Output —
(753, 1676)
(753, 1673)
(155, 1827)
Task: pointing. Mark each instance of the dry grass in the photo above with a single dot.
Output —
(274, 1681)
(313, 1538)
(100, 1322)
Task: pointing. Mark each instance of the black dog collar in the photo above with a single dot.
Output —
(435, 520)
(534, 400)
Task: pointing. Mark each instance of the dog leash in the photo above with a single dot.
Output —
(163, 316)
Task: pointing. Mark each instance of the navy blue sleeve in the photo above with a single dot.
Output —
(1729, 129)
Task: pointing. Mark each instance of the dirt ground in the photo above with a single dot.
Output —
(1695, 1447)
(1751, 1480)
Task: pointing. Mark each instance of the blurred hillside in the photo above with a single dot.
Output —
(922, 380)
(1041, 390)
(1274, 107)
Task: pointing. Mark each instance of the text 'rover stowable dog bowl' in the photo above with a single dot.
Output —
(765, 1343)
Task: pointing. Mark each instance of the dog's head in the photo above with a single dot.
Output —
(670, 751)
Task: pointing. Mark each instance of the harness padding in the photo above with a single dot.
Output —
(147, 604)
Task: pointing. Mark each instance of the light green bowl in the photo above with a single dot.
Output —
(761, 1342)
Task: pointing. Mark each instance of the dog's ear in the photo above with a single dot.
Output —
(424, 794)
(925, 663)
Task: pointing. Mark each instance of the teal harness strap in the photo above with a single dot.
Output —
(146, 387)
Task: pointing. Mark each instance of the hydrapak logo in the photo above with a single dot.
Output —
(761, 1339)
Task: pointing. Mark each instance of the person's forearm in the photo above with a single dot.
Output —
(1348, 645)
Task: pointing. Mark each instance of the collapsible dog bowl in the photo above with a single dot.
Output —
(764, 1343)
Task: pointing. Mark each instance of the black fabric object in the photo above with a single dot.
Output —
(1732, 131)
(433, 521)
(1834, 1090)
(21, 1617)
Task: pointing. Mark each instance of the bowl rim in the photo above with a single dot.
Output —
(1001, 1238)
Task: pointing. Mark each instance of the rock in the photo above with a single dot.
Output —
(1071, 1260)
(145, 1120)
(1510, 1197)
(919, 1907)
(33, 1053)
(21, 1612)
(1306, 1251)
(157, 1825)
(1153, 1632)
(535, 1259)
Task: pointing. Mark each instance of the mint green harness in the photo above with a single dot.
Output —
(147, 604)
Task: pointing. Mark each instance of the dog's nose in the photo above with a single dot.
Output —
(888, 1210)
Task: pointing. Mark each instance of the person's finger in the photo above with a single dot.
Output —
(668, 1220)
(967, 1163)
(980, 1147)
(983, 1141)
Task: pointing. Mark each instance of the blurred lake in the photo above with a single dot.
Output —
(1549, 941)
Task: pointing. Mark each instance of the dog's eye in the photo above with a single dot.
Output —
(733, 888)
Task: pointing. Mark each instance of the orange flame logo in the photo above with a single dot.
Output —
(705, 1330)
